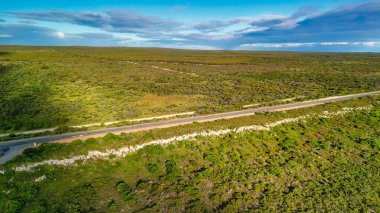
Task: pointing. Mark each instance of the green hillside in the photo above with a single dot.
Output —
(44, 87)
(319, 163)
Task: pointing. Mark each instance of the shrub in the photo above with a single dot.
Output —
(287, 144)
(374, 143)
(152, 168)
(110, 137)
(195, 206)
(62, 129)
(39, 207)
(79, 199)
(14, 205)
(234, 156)
(112, 205)
(142, 184)
(275, 170)
(152, 150)
(215, 159)
(126, 193)
(170, 166)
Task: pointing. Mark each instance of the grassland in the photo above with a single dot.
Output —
(42, 87)
(320, 164)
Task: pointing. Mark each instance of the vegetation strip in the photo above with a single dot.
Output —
(105, 124)
(272, 102)
(126, 150)
(45, 87)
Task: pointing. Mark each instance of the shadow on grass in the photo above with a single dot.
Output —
(24, 101)
(4, 53)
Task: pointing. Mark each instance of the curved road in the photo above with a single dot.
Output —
(10, 149)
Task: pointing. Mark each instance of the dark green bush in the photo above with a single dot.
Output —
(126, 193)
(171, 167)
(153, 168)
(287, 144)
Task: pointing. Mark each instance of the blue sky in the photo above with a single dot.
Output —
(331, 25)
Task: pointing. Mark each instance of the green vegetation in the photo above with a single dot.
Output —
(43, 87)
(322, 164)
(126, 193)
(58, 130)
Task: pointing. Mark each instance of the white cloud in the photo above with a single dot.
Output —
(155, 43)
(214, 35)
(192, 47)
(63, 35)
(368, 43)
(307, 28)
(59, 35)
(277, 45)
(5, 36)
(309, 44)
(134, 40)
(334, 43)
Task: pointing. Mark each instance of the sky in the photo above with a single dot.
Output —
(283, 25)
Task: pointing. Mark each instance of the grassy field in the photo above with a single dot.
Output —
(319, 164)
(43, 87)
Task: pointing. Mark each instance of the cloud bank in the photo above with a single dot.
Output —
(349, 27)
